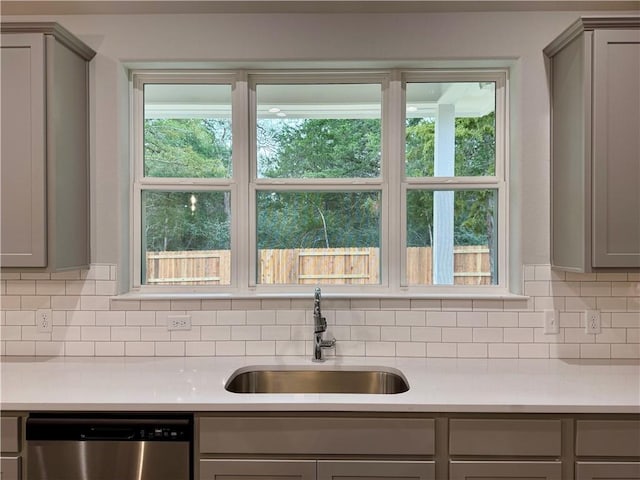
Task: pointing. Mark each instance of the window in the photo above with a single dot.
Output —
(367, 182)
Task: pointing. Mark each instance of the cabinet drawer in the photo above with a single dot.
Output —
(9, 434)
(616, 438)
(505, 471)
(608, 470)
(253, 469)
(504, 437)
(375, 470)
(10, 468)
(317, 436)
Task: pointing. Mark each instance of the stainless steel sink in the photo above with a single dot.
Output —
(302, 380)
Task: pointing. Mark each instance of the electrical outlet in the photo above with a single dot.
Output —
(44, 320)
(551, 322)
(592, 321)
(179, 322)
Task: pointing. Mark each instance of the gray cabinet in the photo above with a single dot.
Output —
(11, 446)
(505, 470)
(617, 441)
(257, 470)
(45, 148)
(595, 156)
(374, 470)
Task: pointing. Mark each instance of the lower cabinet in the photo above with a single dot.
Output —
(11, 446)
(314, 470)
(608, 470)
(505, 470)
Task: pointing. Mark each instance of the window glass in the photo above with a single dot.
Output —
(450, 129)
(186, 238)
(452, 237)
(318, 131)
(187, 131)
(318, 237)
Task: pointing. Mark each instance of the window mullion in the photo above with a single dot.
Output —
(393, 173)
(241, 220)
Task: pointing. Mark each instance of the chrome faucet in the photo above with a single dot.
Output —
(319, 327)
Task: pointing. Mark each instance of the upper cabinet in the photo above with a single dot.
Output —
(595, 154)
(45, 148)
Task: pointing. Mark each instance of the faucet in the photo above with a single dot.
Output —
(319, 327)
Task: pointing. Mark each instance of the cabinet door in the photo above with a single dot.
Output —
(23, 191)
(608, 471)
(257, 470)
(616, 148)
(505, 471)
(10, 468)
(363, 470)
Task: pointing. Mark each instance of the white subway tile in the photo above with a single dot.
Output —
(380, 349)
(365, 304)
(518, 335)
(395, 334)
(139, 349)
(540, 337)
(426, 334)
(457, 305)
(411, 349)
(565, 289)
(110, 349)
(50, 287)
(563, 350)
(243, 332)
(381, 317)
(533, 350)
(224, 348)
(80, 287)
(246, 304)
(442, 350)
(579, 304)
(580, 277)
(218, 332)
(81, 318)
(20, 348)
(49, 349)
(290, 317)
(529, 272)
(31, 333)
(184, 305)
(625, 289)
(35, 302)
(595, 351)
(276, 332)
(194, 335)
(633, 304)
(169, 349)
(146, 334)
(595, 289)
(303, 332)
(502, 319)
(291, 347)
(65, 302)
(140, 319)
(537, 288)
(10, 275)
(106, 287)
(94, 302)
(80, 349)
(11, 332)
(472, 319)
(518, 305)
(34, 276)
(127, 334)
(472, 350)
(365, 333)
(200, 318)
(488, 335)
(261, 347)
(611, 304)
(502, 350)
(612, 335)
(261, 317)
(10, 302)
(570, 320)
(457, 335)
(21, 287)
(65, 334)
(542, 272)
(621, 320)
(631, 350)
(426, 304)
(578, 335)
(488, 305)
(58, 318)
(350, 349)
(113, 272)
(155, 305)
(531, 319)
(411, 318)
(231, 318)
(276, 304)
(633, 335)
(611, 277)
(127, 305)
(97, 272)
(110, 318)
(200, 349)
(441, 319)
(548, 303)
(216, 305)
(395, 304)
(19, 317)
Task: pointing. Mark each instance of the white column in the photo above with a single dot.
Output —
(443, 201)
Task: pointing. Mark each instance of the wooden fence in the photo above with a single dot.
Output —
(343, 266)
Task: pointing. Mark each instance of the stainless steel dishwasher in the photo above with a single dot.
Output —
(109, 447)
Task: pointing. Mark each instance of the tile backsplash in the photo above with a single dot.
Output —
(87, 320)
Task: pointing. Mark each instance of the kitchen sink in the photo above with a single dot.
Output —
(317, 380)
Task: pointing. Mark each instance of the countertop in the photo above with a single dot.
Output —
(436, 385)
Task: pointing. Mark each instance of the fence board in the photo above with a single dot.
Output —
(310, 266)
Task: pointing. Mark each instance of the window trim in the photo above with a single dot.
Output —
(392, 181)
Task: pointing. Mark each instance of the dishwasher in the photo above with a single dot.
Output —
(109, 447)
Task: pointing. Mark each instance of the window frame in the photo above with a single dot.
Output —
(393, 184)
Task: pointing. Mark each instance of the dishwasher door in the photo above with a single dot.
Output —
(72, 448)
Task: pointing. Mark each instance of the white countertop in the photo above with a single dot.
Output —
(436, 385)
